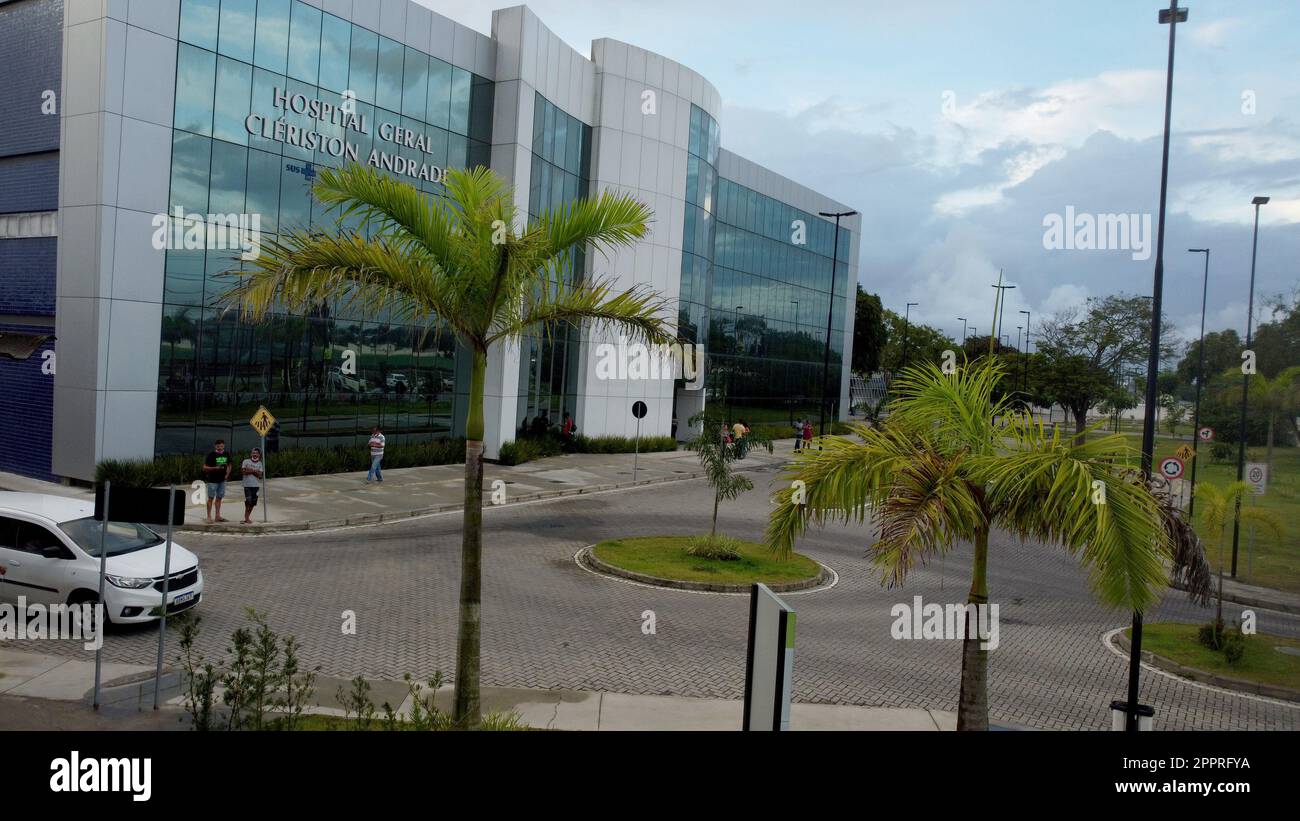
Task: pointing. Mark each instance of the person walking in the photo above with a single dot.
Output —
(216, 470)
(798, 433)
(807, 434)
(376, 445)
(252, 470)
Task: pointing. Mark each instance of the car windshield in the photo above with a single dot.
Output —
(122, 537)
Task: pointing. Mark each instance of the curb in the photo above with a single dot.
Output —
(587, 557)
(1252, 601)
(393, 516)
(1226, 682)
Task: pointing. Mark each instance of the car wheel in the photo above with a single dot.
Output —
(80, 597)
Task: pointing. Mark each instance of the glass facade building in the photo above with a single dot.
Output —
(329, 376)
(228, 110)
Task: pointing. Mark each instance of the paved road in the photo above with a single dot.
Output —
(549, 623)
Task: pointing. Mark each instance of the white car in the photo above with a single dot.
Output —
(49, 554)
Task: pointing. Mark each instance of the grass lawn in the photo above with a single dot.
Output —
(1276, 566)
(666, 558)
(1261, 663)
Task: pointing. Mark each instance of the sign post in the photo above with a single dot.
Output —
(167, 571)
(1257, 478)
(769, 664)
(262, 422)
(103, 611)
(639, 411)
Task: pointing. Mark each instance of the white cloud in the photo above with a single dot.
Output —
(1213, 34)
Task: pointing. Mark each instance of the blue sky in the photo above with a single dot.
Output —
(956, 128)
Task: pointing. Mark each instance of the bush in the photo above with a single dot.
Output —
(1217, 637)
(185, 468)
(717, 547)
(529, 447)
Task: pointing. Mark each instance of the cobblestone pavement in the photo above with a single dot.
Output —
(549, 623)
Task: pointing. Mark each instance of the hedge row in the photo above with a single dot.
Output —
(529, 448)
(185, 468)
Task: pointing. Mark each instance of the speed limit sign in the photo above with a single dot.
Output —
(1171, 468)
(1206, 434)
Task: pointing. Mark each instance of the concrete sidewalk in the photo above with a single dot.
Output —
(54, 692)
(336, 500)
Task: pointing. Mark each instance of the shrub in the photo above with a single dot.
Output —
(528, 447)
(1234, 646)
(717, 547)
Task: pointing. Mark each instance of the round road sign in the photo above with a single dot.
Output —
(1206, 434)
(1171, 467)
(639, 409)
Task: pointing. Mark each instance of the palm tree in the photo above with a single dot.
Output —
(1217, 505)
(952, 464)
(458, 261)
(716, 457)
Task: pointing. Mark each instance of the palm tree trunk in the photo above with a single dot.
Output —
(973, 705)
(714, 530)
(471, 555)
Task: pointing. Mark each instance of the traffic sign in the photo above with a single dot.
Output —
(1185, 452)
(639, 409)
(262, 421)
(1257, 477)
(1206, 434)
(1171, 467)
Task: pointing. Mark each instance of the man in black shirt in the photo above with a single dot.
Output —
(216, 470)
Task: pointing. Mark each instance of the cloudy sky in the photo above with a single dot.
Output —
(958, 128)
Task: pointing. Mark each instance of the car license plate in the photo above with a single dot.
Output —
(182, 598)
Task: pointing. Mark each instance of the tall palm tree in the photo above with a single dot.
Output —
(953, 463)
(458, 260)
(1217, 506)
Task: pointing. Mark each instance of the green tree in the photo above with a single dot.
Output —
(868, 333)
(458, 260)
(717, 457)
(1075, 383)
(1217, 505)
(951, 465)
(924, 343)
(1222, 351)
(1271, 399)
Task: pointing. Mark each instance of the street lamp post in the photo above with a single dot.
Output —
(907, 314)
(830, 311)
(1172, 17)
(963, 330)
(1024, 382)
(1200, 378)
(1245, 387)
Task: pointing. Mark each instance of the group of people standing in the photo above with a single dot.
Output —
(735, 436)
(803, 433)
(217, 468)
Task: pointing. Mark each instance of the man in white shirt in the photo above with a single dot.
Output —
(376, 445)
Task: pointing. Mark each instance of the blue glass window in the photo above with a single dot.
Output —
(196, 72)
(365, 59)
(389, 92)
(335, 53)
(199, 23)
(272, 40)
(238, 19)
(438, 110)
(305, 43)
(415, 84)
(234, 84)
(460, 94)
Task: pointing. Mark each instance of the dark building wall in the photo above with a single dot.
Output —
(31, 51)
(31, 36)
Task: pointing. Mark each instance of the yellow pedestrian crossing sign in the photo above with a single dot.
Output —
(262, 421)
(1184, 452)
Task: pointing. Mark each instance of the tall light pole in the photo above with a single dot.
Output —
(907, 314)
(1245, 387)
(830, 311)
(1019, 328)
(1171, 17)
(963, 330)
(999, 306)
(1024, 382)
(1200, 378)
